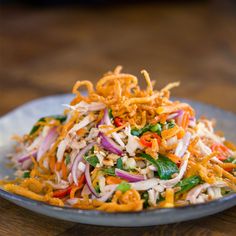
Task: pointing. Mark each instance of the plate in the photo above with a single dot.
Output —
(21, 120)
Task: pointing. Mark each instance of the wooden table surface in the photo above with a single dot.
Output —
(43, 51)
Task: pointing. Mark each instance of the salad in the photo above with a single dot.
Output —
(122, 148)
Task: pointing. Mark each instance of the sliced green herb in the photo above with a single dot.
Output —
(170, 124)
(160, 199)
(109, 171)
(157, 128)
(230, 160)
(110, 114)
(92, 150)
(119, 163)
(67, 159)
(145, 197)
(26, 174)
(61, 118)
(97, 188)
(89, 152)
(123, 187)
(188, 183)
(165, 167)
(92, 160)
(139, 132)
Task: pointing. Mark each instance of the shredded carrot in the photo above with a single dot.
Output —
(185, 120)
(113, 180)
(168, 133)
(81, 132)
(226, 174)
(230, 145)
(181, 133)
(58, 166)
(169, 198)
(174, 158)
(52, 162)
(116, 129)
(64, 170)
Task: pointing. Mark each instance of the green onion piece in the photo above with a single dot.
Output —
(123, 187)
(156, 128)
(139, 132)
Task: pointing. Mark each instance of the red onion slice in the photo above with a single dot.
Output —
(106, 142)
(109, 145)
(192, 121)
(26, 156)
(26, 164)
(85, 190)
(88, 180)
(179, 118)
(78, 159)
(47, 142)
(145, 184)
(106, 120)
(109, 190)
(128, 176)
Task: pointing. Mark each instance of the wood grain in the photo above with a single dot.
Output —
(43, 51)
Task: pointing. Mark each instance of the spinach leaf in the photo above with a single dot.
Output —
(123, 187)
(188, 183)
(119, 163)
(109, 171)
(61, 118)
(92, 160)
(165, 167)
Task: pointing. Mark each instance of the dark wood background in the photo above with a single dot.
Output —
(44, 50)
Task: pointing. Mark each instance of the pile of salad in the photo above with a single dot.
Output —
(122, 148)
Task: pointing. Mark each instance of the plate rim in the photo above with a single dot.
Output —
(26, 200)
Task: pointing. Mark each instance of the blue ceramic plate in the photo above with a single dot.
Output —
(21, 120)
